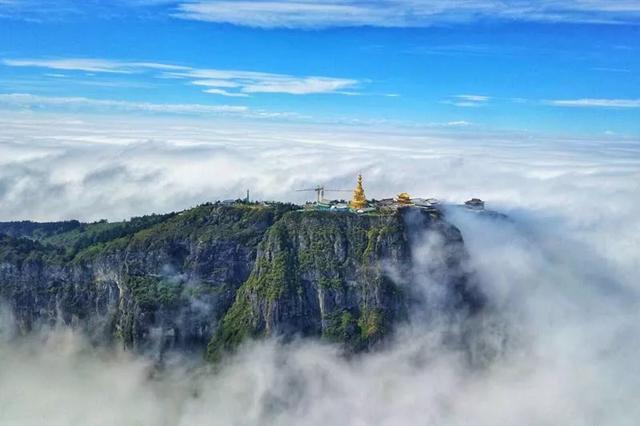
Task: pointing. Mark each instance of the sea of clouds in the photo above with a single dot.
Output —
(563, 275)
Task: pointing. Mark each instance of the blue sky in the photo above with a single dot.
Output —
(570, 67)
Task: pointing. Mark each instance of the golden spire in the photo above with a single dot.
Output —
(359, 200)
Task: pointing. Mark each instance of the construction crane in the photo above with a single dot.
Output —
(320, 190)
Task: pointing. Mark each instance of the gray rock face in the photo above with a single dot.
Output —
(218, 274)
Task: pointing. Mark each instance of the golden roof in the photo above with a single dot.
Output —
(403, 198)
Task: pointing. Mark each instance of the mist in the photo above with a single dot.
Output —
(560, 277)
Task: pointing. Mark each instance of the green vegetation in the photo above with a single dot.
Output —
(241, 222)
(96, 236)
(270, 281)
(372, 242)
(37, 230)
(20, 250)
(150, 292)
(237, 325)
(355, 330)
(271, 284)
(341, 326)
(371, 324)
(205, 223)
(331, 283)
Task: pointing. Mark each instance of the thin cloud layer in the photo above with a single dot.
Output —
(26, 100)
(226, 82)
(401, 13)
(468, 101)
(307, 14)
(596, 103)
(90, 65)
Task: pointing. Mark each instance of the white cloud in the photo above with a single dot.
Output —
(90, 65)
(215, 83)
(26, 100)
(241, 82)
(474, 98)
(283, 13)
(250, 82)
(596, 103)
(458, 123)
(337, 13)
(468, 101)
(226, 93)
(402, 13)
(299, 86)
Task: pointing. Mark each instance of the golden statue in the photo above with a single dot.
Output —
(403, 198)
(359, 200)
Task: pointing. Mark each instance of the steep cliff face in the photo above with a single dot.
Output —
(348, 278)
(166, 284)
(218, 274)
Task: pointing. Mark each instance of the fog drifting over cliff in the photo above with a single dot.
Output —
(563, 276)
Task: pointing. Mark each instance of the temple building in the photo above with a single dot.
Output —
(359, 200)
(360, 205)
(404, 199)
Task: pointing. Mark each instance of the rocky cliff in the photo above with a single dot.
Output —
(218, 274)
